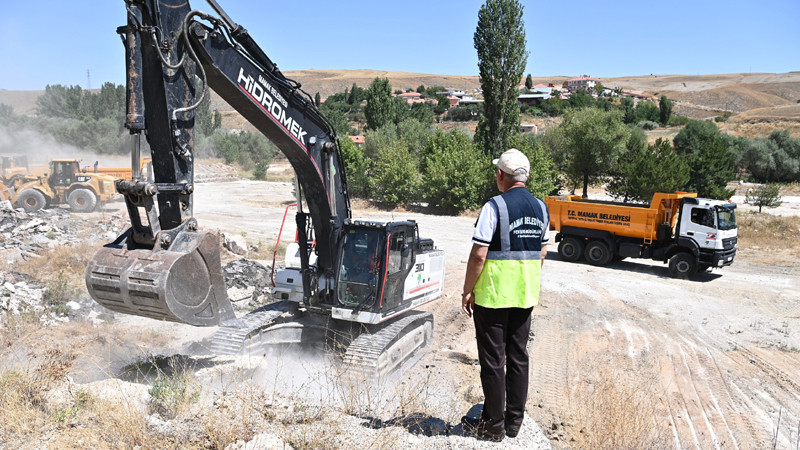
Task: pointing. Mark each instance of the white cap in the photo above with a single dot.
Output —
(513, 162)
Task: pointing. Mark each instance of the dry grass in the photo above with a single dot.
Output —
(766, 232)
(65, 262)
(617, 408)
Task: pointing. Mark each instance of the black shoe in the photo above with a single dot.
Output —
(512, 431)
(477, 427)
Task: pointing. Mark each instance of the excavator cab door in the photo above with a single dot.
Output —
(400, 260)
(361, 268)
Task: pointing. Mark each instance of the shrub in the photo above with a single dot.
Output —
(396, 179)
(455, 172)
(647, 125)
(675, 120)
(172, 393)
(766, 195)
(356, 167)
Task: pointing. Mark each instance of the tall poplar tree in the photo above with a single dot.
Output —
(380, 108)
(500, 41)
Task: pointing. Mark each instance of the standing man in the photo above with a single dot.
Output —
(501, 287)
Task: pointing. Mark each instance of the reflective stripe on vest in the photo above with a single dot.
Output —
(509, 279)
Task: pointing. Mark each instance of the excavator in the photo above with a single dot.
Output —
(356, 283)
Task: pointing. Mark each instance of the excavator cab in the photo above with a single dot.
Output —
(360, 268)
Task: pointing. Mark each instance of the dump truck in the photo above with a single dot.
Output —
(65, 184)
(691, 234)
(123, 173)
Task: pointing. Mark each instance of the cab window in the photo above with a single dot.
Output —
(395, 252)
(702, 216)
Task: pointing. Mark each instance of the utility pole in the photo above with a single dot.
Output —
(88, 80)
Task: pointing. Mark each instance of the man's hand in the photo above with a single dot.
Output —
(468, 303)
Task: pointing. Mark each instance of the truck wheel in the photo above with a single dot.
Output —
(570, 249)
(683, 265)
(82, 200)
(31, 200)
(597, 253)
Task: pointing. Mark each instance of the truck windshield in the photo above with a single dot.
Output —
(726, 217)
(360, 269)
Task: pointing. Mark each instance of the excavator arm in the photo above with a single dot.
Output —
(163, 267)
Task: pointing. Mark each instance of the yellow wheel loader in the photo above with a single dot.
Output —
(65, 184)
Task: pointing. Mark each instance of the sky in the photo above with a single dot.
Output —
(75, 42)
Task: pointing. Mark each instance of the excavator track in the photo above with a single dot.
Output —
(232, 335)
(384, 351)
(379, 352)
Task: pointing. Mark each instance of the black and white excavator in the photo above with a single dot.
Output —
(356, 283)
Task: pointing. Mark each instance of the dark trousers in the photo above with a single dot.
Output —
(502, 336)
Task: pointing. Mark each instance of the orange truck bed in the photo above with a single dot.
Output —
(621, 219)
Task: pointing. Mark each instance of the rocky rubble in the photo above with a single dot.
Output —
(248, 284)
(28, 235)
(23, 235)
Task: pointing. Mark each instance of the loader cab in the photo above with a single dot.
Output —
(63, 173)
(375, 261)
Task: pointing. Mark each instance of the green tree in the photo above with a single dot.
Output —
(442, 104)
(776, 158)
(711, 165)
(500, 42)
(665, 110)
(357, 168)
(402, 110)
(380, 108)
(544, 175)
(599, 88)
(252, 151)
(581, 99)
(414, 133)
(591, 143)
(317, 99)
(628, 110)
(396, 177)
(455, 172)
(204, 120)
(60, 101)
(645, 169)
(646, 110)
(423, 113)
(766, 195)
(553, 106)
(339, 121)
(529, 82)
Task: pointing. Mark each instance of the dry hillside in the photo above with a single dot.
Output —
(763, 101)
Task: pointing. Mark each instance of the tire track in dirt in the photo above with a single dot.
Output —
(549, 358)
(775, 391)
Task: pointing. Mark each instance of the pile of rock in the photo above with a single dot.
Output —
(23, 235)
(248, 284)
(18, 296)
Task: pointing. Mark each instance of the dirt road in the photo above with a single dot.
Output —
(708, 363)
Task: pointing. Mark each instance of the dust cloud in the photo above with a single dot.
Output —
(40, 148)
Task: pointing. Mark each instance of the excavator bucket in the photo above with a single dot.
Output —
(183, 283)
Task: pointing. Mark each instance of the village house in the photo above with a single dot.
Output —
(585, 82)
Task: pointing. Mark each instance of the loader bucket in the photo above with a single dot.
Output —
(183, 283)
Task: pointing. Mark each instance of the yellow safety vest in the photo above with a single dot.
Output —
(510, 278)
